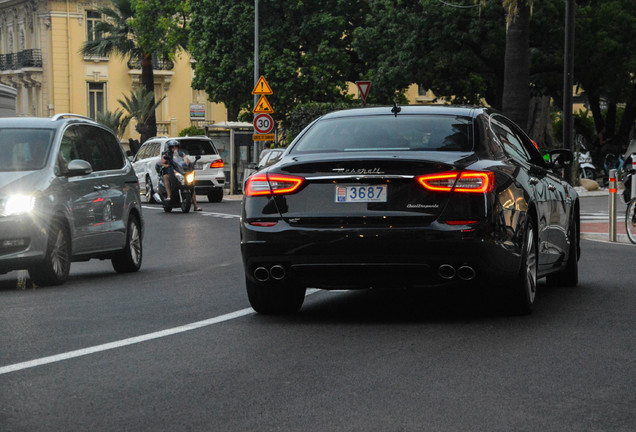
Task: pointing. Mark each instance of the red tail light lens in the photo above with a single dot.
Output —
(272, 184)
(217, 164)
(468, 181)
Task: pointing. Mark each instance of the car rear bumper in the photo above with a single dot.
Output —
(340, 258)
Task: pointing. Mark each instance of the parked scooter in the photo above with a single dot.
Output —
(181, 188)
(587, 169)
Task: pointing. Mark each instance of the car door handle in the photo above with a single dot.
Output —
(552, 187)
(533, 180)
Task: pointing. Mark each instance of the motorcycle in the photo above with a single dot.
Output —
(181, 187)
(587, 169)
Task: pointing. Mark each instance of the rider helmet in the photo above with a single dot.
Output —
(172, 143)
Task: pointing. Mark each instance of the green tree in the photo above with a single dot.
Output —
(139, 30)
(605, 63)
(141, 106)
(116, 120)
(305, 51)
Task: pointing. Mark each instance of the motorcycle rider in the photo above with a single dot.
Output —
(170, 156)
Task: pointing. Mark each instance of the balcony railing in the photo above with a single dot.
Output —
(135, 63)
(20, 60)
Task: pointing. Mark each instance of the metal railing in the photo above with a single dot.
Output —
(135, 63)
(20, 60)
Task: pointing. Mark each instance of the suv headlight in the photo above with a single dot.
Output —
(17, 204)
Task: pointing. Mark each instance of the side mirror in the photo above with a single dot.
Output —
(197, 158)
(559, 159)
(79, 167)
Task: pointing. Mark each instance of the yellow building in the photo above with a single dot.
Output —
(40, 56)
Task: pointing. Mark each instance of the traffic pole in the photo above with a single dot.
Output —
(612, 205)
(633, 194)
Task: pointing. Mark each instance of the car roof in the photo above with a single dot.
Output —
(47, 122)
(460, 110)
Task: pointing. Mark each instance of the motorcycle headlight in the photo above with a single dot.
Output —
(190, 177)
(18, 204)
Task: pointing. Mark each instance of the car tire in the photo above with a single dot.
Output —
(274, 299)
(522, 294)
(129, 259)
(56, 266)
(569, 276)
(215, 195)
(150, 192)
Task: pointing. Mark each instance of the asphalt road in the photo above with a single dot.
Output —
(176, 347)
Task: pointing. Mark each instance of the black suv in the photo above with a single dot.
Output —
(67, 193)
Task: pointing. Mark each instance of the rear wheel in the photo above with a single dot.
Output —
(630, 220)
(55, 268)
(129, 258)
(274, 299)
(524, 288)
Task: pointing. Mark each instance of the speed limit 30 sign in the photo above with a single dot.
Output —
(263, 123)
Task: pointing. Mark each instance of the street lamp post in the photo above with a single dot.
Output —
(256, 71)
(568, 72)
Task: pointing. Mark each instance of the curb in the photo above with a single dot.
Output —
(604, 237)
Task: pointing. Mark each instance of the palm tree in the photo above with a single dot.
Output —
(117, 121)
(516, 86)
(130, 30)
(141, 106)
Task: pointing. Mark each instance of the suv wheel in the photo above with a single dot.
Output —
(55, 268)
(129, 258)
(150, 192)
(215, 195)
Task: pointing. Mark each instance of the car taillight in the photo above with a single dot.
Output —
(468, 181)
(272, 184)
(217, 164)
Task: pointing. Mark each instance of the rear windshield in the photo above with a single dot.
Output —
(24, 149)
(388, 133)
(197, 147)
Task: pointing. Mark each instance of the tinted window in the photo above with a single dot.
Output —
(509, 139)
(24, 149)
(389, 133)
(98, 147)
(197, 147)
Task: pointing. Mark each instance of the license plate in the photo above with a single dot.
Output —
(198, 166)
(363, 193)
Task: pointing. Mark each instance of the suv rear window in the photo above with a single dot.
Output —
(24, 149)
(388, 133)
(197, 147)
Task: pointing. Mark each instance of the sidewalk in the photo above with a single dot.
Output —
(599, 230)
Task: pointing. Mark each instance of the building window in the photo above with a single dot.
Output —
(96, 98)
(92, 18)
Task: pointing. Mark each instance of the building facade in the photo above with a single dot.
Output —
(40, 56)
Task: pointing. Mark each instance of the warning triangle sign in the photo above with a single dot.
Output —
(262, 88)
(363, 87)
(263, 106)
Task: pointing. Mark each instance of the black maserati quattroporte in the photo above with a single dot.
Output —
(413, 196)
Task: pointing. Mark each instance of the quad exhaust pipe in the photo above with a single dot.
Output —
(276, 272)
(448, 272)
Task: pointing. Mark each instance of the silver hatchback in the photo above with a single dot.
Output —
(67, 193)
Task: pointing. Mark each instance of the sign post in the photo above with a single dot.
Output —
(263, 122)
(363, 88)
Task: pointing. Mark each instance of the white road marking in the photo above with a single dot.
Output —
(202, 213)
(130, 341)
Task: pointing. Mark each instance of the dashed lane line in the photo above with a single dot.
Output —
(130, 341)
